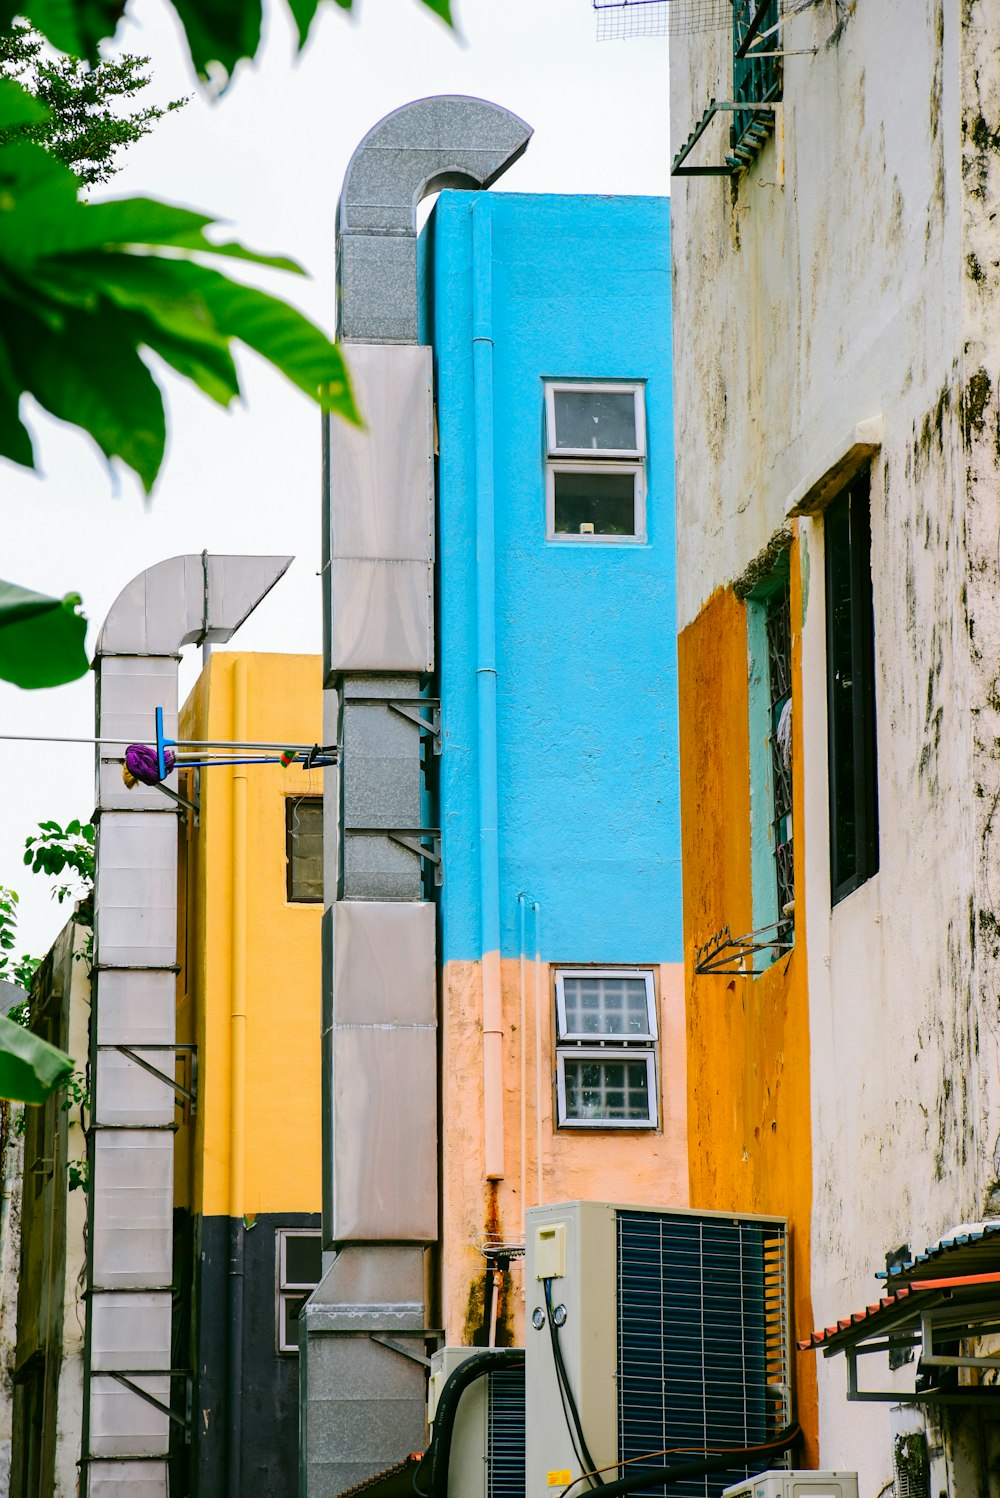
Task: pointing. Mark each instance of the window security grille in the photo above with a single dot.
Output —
(756, 80)
(702, 1339)
(779, 662)
(505, 1434)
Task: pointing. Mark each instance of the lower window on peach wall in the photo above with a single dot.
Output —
(606, 1035)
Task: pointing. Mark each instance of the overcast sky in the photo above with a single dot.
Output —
(270, 158)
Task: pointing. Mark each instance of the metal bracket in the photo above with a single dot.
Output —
(725, 954)
(178, 1049)
(410, 838)
(125, 1376)
(403, 1350)
(732, 164)
(411, 709)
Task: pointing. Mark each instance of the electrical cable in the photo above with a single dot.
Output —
(677, 1451)
(438, 1454)
(572, 1416)
(660, 1477)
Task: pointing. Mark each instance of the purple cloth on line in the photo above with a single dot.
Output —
(141, 761)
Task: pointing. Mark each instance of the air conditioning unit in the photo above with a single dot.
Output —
(672, 1330)
(487, 1448)
(798, 1484)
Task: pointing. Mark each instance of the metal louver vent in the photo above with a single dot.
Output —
(702, 1340)
(505, 1444)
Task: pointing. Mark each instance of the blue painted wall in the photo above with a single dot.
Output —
(589, 812)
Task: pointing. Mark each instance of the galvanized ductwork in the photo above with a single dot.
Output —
(127, 1357)
(362, 1379)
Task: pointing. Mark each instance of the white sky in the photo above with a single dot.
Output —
(270, 157)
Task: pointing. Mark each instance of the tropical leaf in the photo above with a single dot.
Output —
(85, 288)
(30, 1068)
(41, 638)
(220, 33)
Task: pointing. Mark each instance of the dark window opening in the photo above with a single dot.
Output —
(304, 849)
(594, 504)
(850, 669)
(779, 669)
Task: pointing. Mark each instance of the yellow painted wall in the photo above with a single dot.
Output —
(644, 1167)
(750, 1147)
(269, 698)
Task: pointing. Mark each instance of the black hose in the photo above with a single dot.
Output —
(438, 1454)
(571, 1414)
(662, 1477)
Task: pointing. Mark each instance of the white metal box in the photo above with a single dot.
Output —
(487, 1448)
(796, 1484)
(666, 1320)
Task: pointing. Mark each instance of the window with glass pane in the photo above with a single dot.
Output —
(605, 1048)
(592, 419)
(589, 503)
(595, 448)
(304, 848)
(299, 1270)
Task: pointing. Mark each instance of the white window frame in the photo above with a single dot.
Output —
(589, 460)
(595, 387)
(572, 1045)
(285, 1289)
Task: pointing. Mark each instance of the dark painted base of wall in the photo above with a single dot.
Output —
(269, 1418)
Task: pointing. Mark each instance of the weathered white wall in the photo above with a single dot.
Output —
(11, 1171)
(835, 286)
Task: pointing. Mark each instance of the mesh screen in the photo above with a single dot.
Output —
(618, 19)
(702, 1345)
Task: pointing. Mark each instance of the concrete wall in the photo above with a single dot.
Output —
(586, 714)
(48, 1362)
(845, 279)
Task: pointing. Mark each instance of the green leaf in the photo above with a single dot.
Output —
(17, 107)
(303, 12)
(96, 382)
(198, 304)
(440, 8)
(41, 638)
(30, 1068)
(219, 32)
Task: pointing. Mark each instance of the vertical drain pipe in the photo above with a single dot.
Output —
(522, 1011)
(237, 1093)
(486, 687)
(537, 912)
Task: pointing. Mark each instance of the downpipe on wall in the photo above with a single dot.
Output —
(486, 689)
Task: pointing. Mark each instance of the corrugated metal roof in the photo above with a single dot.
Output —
(870, 1319)
(970, 1246)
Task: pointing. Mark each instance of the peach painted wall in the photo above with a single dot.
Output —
(645, 1167)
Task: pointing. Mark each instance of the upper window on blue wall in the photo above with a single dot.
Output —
(595, 447)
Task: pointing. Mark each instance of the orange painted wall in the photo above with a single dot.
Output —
(282, 1133)
(750, 1146)
(644, 1167)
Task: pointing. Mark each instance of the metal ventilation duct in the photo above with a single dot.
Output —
(362, 1402)
(127, 1354)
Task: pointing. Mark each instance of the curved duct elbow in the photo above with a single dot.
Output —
(447, 141)
(184, 600)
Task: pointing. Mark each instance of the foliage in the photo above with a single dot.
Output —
(82, 128)
(18, 970)
(85, 287)
(219, 32)
(41, 638)
(55, 849)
